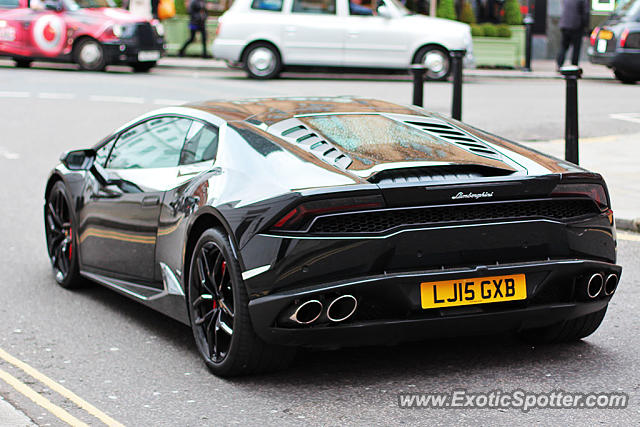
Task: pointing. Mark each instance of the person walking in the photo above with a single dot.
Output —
(197, 24)
(573, 23)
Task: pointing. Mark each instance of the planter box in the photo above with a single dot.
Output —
(500, 51)
(176, 32)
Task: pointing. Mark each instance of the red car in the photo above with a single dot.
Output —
(91, 33)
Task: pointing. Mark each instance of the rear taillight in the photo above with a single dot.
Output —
(594, 36)
(595, 192)
(623, 37)
(301, 216)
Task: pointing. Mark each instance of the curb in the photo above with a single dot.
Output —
(628, 224)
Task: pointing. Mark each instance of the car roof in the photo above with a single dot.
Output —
(273, 110)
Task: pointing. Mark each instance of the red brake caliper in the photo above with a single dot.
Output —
(71, 244)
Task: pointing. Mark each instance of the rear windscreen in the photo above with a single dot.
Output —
(370, 139)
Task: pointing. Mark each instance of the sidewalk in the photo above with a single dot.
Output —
(542, 69)
(10, 416)
(615, 157)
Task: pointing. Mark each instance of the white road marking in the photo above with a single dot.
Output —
(9, 155)
(122, 99)
(169, 101)
(54, 95)
(629, 117)
(9, 94)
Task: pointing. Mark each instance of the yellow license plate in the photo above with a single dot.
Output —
(605, 35)
(481, 290)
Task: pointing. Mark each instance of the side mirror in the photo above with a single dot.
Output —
(78, 160)
(384, 12)
(54, 5)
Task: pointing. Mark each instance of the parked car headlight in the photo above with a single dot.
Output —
(118, 30)
(159, 28)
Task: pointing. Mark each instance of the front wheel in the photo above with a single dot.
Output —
(219, 311)
(436, 60)
(60, 233)
(627, 78)
(89, 55)
(565, 331)
(262, 61)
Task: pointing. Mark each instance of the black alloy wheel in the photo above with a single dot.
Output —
(211, 299)
(219, 311)
(60, 234)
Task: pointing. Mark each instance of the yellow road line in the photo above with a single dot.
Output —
(59, 389)
(628, 236)
(38, 399)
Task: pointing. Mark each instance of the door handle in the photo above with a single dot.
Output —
(150, 201)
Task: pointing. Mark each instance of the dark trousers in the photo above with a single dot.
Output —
(571, 38)
(195, 31)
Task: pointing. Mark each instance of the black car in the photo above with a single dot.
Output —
(269, 224)
(617, 43)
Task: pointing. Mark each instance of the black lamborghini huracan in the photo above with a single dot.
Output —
(267, 224)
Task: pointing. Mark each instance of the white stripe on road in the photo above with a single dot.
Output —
(123, 99)
(9, 155)
(8, 94)
(628, 117)
(169, 101)
(53, 95)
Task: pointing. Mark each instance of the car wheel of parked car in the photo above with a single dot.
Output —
(437, 61)
(22, 63)
(89, 55)
(262, 61)
(567, 330)
(60, 232)
(219, 311)
(626, 77)
(143, 67)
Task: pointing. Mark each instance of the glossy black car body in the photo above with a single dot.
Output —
(617, 43)
(311, 215)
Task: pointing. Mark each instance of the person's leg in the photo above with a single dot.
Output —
(576, 46)
(203, 31)
(188, 42)
(564, 45)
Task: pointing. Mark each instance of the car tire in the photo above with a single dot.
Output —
(218, 307)
(61, 237)
(565, 331)
(22, 63)
(262, 61)
(437, 60)
(89, 55)
(626, 78)
(143, 67)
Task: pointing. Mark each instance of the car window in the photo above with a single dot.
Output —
(271, 5)
(201, 144)
(155, 143)
(9, 4)
(103, 153)
(323, 7)
(360, 8)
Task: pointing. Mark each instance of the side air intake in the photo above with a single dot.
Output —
(456, 136)
(295, 132)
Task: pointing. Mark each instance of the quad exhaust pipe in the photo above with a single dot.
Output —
(595, 285)
(610, 284)
(341, 308)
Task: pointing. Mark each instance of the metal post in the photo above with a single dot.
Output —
(571, 75)
(418, 71)
(528, 22)
(456, 68)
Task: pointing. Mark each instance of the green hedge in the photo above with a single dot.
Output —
(491, 30)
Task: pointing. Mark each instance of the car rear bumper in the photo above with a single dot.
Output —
(389, 308)
(623, 60)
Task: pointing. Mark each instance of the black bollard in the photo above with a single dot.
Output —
(418, 71)
(456, 69)
(528, 22)
(571, 75)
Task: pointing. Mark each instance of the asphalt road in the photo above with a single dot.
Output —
(143, 369)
